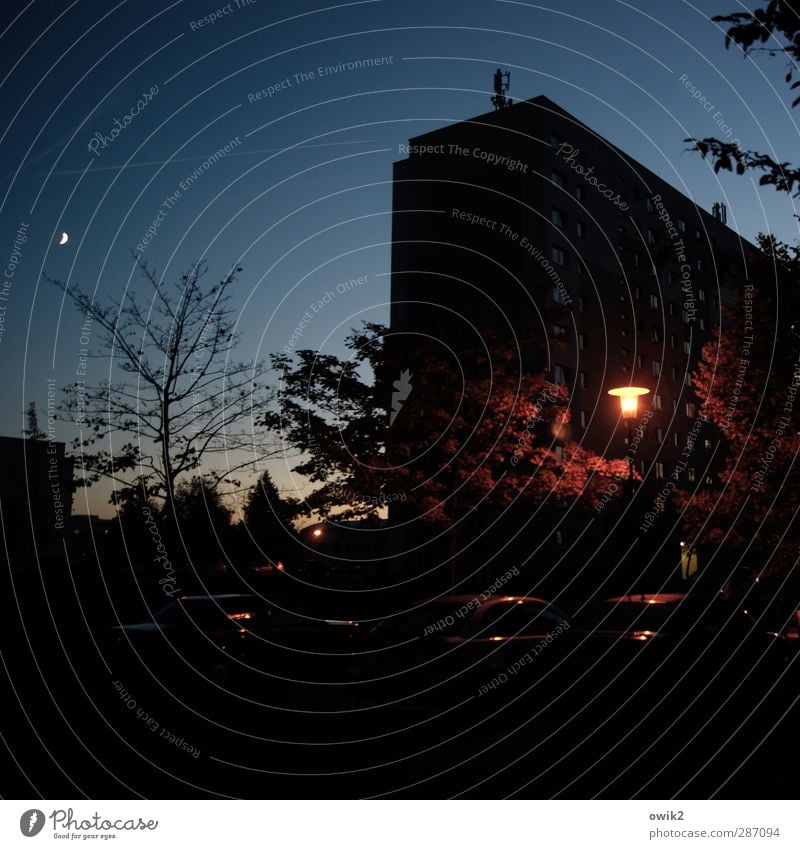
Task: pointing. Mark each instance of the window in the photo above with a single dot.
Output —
(579, 192)
(687, 346)
(659, 435)
(559, 374)
(651, 237)
(674, 373)
(581, 304)
(681, 225)
(655, 334)
(659, 467)
(637, 293)
(691, 410)
(560, 295)
(583, 342)
(558, 256)
(657, 402)
(676, 439)
(580, 267)
(699, 264)
(649, 204)
(673, 341)
(702, 323)
(709, 480)
(687, 378)
(671, 308)
(640, 361)
(656, 368)
(555, 141)
(654, 302)
(559, 452)
(636, 260)
(559, 539)
(582, 381)
(559, 331)
(691, 474)
(582, 418)
(558, 218)
(701, 294)
(558, 179)
(707, 444)
(580, 229)
(670, 278)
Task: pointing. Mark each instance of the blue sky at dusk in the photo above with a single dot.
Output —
(303, 199)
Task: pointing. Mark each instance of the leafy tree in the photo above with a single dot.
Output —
(449, 450)
(775, 29)
(201, 519)
(268, 516)
(33, 431)
(747, 383)
(180, 400)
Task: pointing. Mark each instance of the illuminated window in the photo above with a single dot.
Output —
(583, 342)
(558, 179)
(582, 418)
(657, 402)
(659, 435)
(687, 346)
(659, 469)
(580, 229)
(558, 218)
(691, 410)
(558, 256)
(676, 439)
(582, 380)
(691, 475)
(656, 365)
(654, 302)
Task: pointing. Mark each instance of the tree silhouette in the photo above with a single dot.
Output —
(181, 401)
(775, 29)
(268, 516)
(33, 431)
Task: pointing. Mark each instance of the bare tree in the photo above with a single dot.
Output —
(180, 402)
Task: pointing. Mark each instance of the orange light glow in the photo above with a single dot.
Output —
(317, 532)
(237, 616)
(280, 566)
(628, 399)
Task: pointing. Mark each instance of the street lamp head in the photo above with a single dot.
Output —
(629, 399)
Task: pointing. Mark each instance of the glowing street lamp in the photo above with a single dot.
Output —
(629, 407)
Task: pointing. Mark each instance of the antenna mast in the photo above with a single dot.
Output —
(502, 81)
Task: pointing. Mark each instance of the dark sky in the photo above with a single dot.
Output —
(303, 199)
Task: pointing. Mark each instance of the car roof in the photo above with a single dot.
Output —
(217, 597)
(464, 599)
(647, 598)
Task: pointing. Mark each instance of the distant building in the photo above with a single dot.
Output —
(527, 220)
(35, 498)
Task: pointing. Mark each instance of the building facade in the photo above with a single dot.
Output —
(601, 273)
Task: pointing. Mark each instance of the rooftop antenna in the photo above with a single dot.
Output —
(502, 81)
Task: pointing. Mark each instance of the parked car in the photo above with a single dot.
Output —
(239, 637)
(656, 641)
(456, 644)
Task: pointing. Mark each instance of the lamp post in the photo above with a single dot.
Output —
(629, 407)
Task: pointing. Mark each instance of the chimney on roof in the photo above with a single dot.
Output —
(720, 212)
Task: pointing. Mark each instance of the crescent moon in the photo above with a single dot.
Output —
(64, 239)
